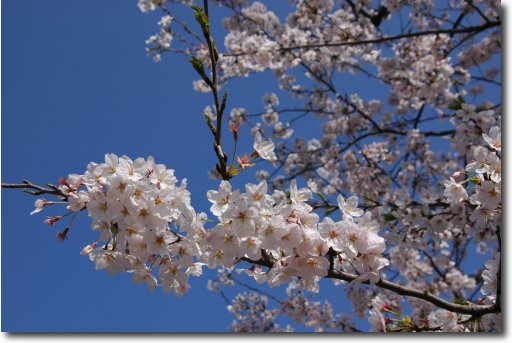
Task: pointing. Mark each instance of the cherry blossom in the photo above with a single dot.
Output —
(264, 148)
(401, 191)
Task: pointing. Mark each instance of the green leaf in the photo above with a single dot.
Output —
(328, 212)
(462, 302)
(367, 198)
(210, 124)
(233, 170)
(199, 68)
(388, 217)
(457, 104)
(406, 324)
(201, 17)
(288, 195)
(321, 196)
(198, 65)
(476, 180)
(224, 100)
(114, 229)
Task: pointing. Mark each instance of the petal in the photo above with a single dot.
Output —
(341, 202)
(352, 202)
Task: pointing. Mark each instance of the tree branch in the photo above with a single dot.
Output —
(219, 108)
(30, 188)
(471, 29)
(476, 310)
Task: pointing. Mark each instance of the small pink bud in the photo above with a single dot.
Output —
(386, 307)
(63, 181)
(62, 235)
(458, 175)
(52, 220)
(235, 128)
(88, 249)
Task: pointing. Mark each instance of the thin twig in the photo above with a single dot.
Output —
(30, 188)
(470, 29)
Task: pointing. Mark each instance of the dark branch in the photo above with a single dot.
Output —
(471, 29)
(476, 310)
(30, 188)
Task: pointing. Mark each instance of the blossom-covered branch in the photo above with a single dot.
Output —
(401, 190)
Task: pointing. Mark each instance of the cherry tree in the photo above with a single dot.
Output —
(389, 202)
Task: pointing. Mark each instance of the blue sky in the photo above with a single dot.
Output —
(76, 84)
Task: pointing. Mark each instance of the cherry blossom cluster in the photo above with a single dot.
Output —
(254, 42)
(476, 198)
(283, 229)
(484, 169)
(147, 223)
(419, 72)
(152, 5)
(490, 276)
(253, 310)
(253, 315)
(161, 41)
(301, 307)
(384, 317)
(487, 197)
(143, 217)
(421, 210)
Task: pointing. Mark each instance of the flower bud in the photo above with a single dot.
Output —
(458, 175)
(52, 220)
(62, 235)
(88, 249)
(235, 128)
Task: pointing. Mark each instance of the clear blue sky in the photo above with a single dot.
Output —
(77, 83)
